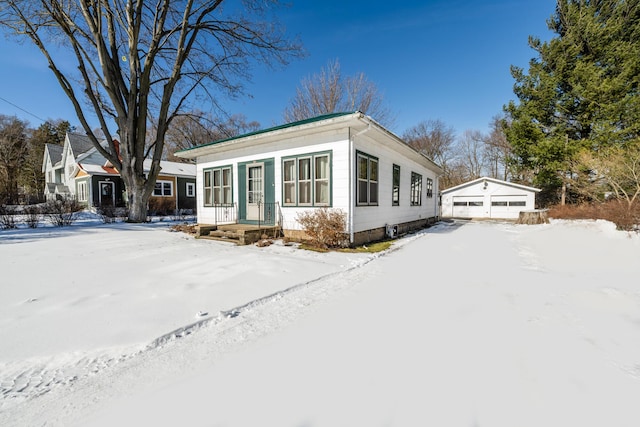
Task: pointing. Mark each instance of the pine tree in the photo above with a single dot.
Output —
(580, 92)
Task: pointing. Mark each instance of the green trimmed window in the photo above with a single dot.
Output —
(395, 195)
(217, 186)
(306, 180)
(367, 172)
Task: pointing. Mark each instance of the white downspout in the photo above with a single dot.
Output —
(351, 184)
(438, 211)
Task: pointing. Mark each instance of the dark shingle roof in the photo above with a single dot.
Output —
(79, 143)
(271, 129)
(55, 153)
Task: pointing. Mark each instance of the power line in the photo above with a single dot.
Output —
(22, 109)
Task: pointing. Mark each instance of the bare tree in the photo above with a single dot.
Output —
(436, 140)
(472, 154)
(497, 150)
(13, 152)
(614, 171)
(142, 62)
(330, 92)
(195, 129)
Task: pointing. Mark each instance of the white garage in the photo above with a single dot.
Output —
(487, 198)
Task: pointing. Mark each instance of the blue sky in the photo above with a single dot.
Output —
(431, 59)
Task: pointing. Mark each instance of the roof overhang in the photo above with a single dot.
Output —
(357, 123)
(494, 180)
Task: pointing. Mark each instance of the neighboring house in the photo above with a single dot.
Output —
(78, 170)
(487, 198)
(345, 161)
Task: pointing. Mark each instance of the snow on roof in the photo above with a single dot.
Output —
(173, 168)
(166, 168)
(97, 169)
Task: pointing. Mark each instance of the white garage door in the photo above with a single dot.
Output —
(507, 206)
(469, 207)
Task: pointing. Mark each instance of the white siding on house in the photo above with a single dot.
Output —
(370, 217)
(344, 136)
(283, 148)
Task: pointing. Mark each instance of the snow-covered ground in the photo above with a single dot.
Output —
(463, 324)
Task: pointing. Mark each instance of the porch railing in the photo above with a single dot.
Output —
(225, 213)
(270, 214)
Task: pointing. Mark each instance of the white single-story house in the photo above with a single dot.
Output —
(487, 198)
(343, 161)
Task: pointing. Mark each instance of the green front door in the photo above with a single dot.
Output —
(257, 192)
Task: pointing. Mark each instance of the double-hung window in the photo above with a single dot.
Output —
(83, 192)
(306, 180)
(429, 188)
(395, 195)
(416, 189)
(367, 172)
(321, 180)
(217, 186)
(163, 189)
(191, 189)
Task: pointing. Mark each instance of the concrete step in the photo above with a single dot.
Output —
(226, 234)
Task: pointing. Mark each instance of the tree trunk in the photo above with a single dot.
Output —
(533, 217)
(137, 196)
(137, 206)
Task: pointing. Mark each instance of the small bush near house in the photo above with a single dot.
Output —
(621, 214)
(32, 215)
(7, 217)
(62, 212)
(161, 206)
(325, 227)
(109, 214)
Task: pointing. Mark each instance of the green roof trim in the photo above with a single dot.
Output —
(271, 129)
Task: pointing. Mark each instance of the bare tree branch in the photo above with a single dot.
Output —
(141, 62)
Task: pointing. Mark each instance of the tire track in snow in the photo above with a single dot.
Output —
(23, 382)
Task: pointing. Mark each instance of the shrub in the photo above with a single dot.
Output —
(7, 217)
(161, 206)
(62, 212)
(109, 214)
(623, 216)
(32, 215)
(325, 227)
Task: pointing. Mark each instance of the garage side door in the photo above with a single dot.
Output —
(468, 207)
(507, 206)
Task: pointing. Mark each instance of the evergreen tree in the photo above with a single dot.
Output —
(580, 92)
(13, 150)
